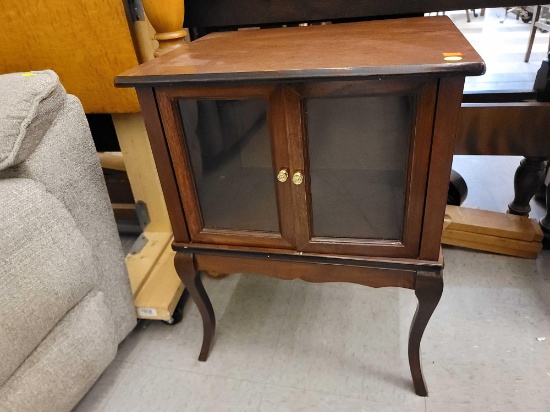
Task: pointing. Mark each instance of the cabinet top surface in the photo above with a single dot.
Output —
(413, 46)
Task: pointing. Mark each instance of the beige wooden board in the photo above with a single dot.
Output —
(493, 224)
(141, 265)
(87, 42)
(490, 248)
(145, 39)
(141, 169)
(112, 160)
(161, 291)
(492, 240)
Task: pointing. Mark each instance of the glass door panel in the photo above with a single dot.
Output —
(229, 147)
(365, 144)
(358, 158)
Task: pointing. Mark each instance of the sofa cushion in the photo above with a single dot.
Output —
(30, 103)
(46, 268)
(66, 364)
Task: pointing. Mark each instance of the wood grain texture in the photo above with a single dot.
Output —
(502, 225)
(441, 158)
(163, 164)
(250, 252)
(141, 168)
(503, 129)
(366, 49)
(166, 17)
(86, 42)
(161, 291)
(310, 272)
(141, 265)
(490, 248)
(281, 160)
(209, 13)
(502, 242)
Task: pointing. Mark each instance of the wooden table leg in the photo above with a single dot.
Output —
(192, 280)
(428, 290)
(527, 180)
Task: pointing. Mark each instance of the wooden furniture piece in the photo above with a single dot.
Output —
(479, 134)
(501, 233)
(336, 150)
(87, 43)
(537, 23)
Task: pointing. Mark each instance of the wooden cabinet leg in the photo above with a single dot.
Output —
(545, 221)
(192, 280)
(428, 290)
(527, 180)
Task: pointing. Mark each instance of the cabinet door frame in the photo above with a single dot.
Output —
(167, 98)
(424, 93)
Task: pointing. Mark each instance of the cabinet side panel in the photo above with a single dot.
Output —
(441, 159)
(163, 163)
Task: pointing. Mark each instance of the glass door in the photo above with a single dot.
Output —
(363, 143)
(228, 148)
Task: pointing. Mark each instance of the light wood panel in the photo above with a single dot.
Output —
(493, 224)
(492, 232)
(141, 264)
(490, 248)
(141, 169)
(161, 291)
(87, 42)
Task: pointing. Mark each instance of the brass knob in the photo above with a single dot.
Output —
(282, 176)
(298, 178)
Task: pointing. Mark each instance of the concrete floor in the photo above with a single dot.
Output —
(295, 346)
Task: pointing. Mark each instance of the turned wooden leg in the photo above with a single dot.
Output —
(192, 280)
(428, 290)
(527, 180)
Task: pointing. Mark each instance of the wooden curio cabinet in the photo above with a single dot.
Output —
(321, 153)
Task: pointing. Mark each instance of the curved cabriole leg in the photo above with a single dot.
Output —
(428, 290)
(192, 281)
(527, 180)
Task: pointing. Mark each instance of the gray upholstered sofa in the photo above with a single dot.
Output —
(65, 300)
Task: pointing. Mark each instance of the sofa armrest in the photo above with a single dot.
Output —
(65, 162)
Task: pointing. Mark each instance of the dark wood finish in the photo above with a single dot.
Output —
(315, 52)
(545, 221)
(167, 100)
(447, 111)
(163, 162)
(191, 278)
(277, 254)
(542, 81)
(528, 179)
(284, 66)
(421, 135)
(297, 155)
(310, 272)
(428, 289)
(211, 13)
(503, 129)
(281, 134)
